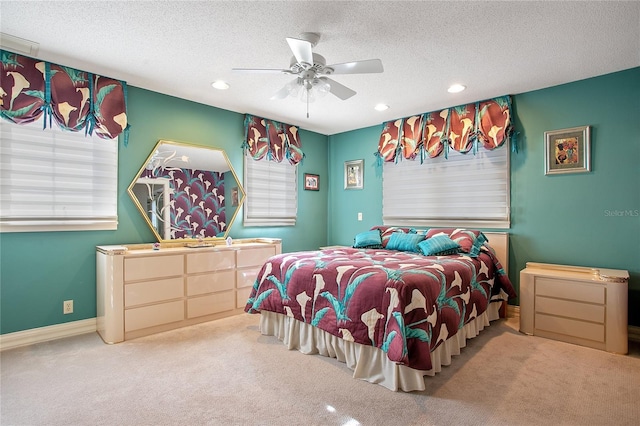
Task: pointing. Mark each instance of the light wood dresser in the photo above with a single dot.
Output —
(580, 305)
(141, 291)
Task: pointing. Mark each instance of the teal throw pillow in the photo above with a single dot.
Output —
(477, 245)
(470, 240)
(404, 242)
(368, 239)
(439, 245)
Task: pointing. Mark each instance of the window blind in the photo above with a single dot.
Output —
(463, 190)
(54, 180)
(271, 193)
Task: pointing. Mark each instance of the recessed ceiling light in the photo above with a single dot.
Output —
(381, 107)
(456, 88)
(220, 85)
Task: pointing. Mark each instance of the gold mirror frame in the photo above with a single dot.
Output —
(187, 192)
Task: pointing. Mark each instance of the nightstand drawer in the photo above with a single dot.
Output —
(570, 327)
(567, 289)
(570, 309)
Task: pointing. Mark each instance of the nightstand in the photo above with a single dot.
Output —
(580, 305)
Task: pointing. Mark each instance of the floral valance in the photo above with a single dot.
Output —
(461, 128)
(271, 140)
(31, 88)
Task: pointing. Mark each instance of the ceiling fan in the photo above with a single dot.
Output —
(311, 71)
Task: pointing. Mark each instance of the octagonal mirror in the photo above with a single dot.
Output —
(187, 192)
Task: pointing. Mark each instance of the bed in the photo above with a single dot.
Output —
(395, 307)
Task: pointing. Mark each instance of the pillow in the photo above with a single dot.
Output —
(386, 231)
(368, 239)
(404, 242)
(439, 245)
(470, 240)
(477, 245)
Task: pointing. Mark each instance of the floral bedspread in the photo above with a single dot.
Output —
(404, 303)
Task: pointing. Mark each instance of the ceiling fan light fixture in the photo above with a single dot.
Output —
(456, 88)
(293, 88)
(311, 70)
(308, 95)
(381, 107)
(220, 85)
(322, 87)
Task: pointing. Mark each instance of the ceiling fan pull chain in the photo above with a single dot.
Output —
(307, 102)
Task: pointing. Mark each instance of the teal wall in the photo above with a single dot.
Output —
(40, 270)
(345, 204)
(587, 219)
(570, 219)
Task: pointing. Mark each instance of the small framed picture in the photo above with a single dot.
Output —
(353, 174)
(567, 151)
(311, 182)
(234, 196)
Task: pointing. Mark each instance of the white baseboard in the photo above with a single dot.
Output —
(75, 328)
(44, 334)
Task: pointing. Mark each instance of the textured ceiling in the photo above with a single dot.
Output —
(179, 48)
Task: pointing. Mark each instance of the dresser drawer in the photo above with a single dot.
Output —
(570, 309)
(254, 256)
(570, 327)
(572, 290)
(211, 304)
(144, 292)
(145, 268)
(210, 283)
(242, 296)
(247, 277)
(210, 261)
(149, 316)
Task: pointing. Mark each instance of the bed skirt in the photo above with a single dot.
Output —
(367, 362)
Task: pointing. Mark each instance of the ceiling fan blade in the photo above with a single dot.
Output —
(369, 66)
(343, 92)
(301, 50)
(285, 91)
(261, 70)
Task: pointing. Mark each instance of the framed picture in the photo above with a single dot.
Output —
(311, 182)
(234, 196)
(353, 174)
(567, 151)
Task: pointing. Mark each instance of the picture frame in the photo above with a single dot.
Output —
(234, 197)
(353, 174)
(567, 151)
(311, 182)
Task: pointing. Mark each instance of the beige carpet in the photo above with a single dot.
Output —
(224, 372)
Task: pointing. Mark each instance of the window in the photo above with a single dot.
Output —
(272, 193)
(465, 190)
(55, 180)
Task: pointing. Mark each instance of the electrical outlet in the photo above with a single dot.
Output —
(360, 216)
(67, 307)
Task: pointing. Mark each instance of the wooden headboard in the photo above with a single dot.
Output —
(499, 241)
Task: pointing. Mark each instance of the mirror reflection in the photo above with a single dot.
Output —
(187, 192)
